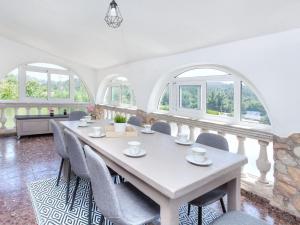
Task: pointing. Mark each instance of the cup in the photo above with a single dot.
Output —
(199, 154)
(147, 127)
(97, 131)
(134, 147)
(83, 122)
(182, 137)
(88, 118)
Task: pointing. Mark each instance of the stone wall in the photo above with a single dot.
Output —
(287, 173)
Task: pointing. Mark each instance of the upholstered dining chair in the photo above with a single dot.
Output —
(122, 204)
(161, 127)
(76, 115)
(237, 218)
(79, 167)
(136, 121)
(215, 141)
(60, 146)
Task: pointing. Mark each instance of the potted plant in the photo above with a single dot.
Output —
(120, 123)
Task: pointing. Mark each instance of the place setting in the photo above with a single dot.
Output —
(134, 150)
(89, 119)
(147, 129)
(197, 156)
(83, 123)
(182, 139)
(97, 132)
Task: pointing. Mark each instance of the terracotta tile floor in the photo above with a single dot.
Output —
(34, 158)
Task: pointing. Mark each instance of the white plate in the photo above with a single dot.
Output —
(191, 159)
(96, 136)
(140, 154)
(81, 125)
(148, 131)
(90, 121)
(184, 142)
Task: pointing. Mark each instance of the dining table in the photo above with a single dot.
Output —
(163, 173)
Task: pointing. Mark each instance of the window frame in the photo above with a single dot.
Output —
(174, 107)
(22, 69)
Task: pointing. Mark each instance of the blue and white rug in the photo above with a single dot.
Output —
(50, 208)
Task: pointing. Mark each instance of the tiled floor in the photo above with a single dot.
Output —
(34, 158)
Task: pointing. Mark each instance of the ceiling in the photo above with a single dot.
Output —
(75, 29)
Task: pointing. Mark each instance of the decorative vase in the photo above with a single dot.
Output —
(120, 127)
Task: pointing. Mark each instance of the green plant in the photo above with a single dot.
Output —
(120, 119)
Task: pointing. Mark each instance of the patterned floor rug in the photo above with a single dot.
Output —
(50, 208)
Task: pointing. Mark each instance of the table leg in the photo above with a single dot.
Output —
(234, 194)
(169, 214)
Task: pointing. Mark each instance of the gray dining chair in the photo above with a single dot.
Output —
(215, 141)
(60, 146)
(122, 204)
(136, 121)
(237, 218)
(79, 167)
(76, 115)
(161, 127)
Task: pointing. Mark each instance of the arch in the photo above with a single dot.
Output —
(159, 87)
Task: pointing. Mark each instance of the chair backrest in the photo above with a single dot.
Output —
(134, 120)
(76, 155)
(104, 191)
(59, 140)
(76, 115)
(161, 127)
(213, 140)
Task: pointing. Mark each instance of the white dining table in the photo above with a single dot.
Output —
(163, 173)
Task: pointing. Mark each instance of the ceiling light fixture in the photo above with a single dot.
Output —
(113, 16)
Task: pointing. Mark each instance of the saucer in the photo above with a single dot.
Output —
(190, 158)
(96, 136)
(140, 154)
(83, 125)
(91, 121)
(147, 131)
(184, 142)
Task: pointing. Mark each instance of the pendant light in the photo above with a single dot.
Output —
(113, 16)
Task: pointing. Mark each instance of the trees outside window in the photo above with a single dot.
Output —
(9, 86)
(190, 96)
(36, 85)
(164, 100)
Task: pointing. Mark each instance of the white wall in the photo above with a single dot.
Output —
(269, 63)
(13, 54)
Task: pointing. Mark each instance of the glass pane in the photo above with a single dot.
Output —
(59, 86)
(164, 100)
(202, 73)
(126, 95)
(47, 65)
(251, 108)
(115, 95)
(81, 94)
(36, 84)
(9, 86)
(220, 98)
(190, 96)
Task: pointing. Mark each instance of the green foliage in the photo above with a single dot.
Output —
(9, 88)
(35, 89)
(120, 119)
(190, 96)
(164, 101)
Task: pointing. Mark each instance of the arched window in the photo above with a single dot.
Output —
(212, 93)
(43, 82)
(119, 93)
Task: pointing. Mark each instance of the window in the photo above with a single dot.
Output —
(43, 82)
(251, 108)
(219, 98)
(9, 86)
(190, 96)
(119, 93)
(59, 86)
(213, 94)
(36, 85)
(164, 100)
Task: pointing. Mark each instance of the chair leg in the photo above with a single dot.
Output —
(68, 183)
(60, 169)
(199, 215)
(101, 220)
(189, 209)
(223, 205)
(74, 192)
(90, 204)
